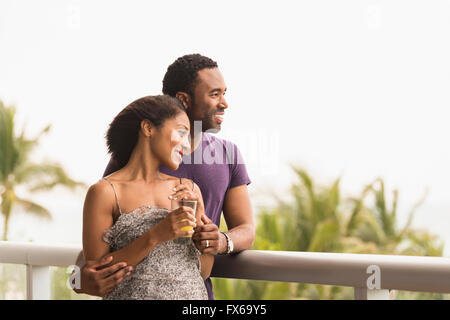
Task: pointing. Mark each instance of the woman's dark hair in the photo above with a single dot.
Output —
(123, 131)
(182, 74)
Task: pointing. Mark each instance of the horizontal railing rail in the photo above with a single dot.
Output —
(411, 273)
(58, 255)
(371, 275)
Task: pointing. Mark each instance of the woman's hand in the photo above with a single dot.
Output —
(185, 192)
(170, 227)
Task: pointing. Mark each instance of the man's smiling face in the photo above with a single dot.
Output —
(209, 103)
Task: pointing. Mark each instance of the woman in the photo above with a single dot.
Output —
(127, 213)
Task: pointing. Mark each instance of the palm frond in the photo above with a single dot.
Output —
(50, 176)
(333, 199)
(369, 228)
(357, 207)
(422, 243)
(326, 237)
(34, 208)
(413, 212)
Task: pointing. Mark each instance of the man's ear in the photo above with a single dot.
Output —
(147, 127)
(185, 99)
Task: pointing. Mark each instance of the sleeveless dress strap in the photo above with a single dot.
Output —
(115, 193)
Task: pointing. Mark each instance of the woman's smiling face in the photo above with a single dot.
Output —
(171, 141)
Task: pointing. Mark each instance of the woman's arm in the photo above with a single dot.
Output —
(97, 217)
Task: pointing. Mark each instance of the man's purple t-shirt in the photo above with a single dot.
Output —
(215, 166)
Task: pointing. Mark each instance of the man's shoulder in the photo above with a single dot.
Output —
(230, 149)
(211, 138)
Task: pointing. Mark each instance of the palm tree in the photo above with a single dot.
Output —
(313, 222)
(379, 224)
(320, 220)
(16, 169)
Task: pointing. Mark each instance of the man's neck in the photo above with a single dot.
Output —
(196, 140)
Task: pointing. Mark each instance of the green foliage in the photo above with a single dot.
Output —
(12, 282)
(320, 220)
(59, 289)
(16, 169)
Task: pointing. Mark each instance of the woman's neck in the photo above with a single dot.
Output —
(142, 165)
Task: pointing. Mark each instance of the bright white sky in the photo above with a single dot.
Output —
(351, 88)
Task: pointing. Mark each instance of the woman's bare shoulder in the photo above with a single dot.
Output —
(100, 199)
(101, 189)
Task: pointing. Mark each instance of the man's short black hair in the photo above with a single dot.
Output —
(182, 74)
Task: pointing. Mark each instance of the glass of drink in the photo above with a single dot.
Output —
(175, 204)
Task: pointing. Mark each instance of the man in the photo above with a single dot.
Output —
(215, 165)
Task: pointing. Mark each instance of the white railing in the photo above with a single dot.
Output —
(372, 276)
(38, 258)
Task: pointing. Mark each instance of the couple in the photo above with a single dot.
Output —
(133, 244)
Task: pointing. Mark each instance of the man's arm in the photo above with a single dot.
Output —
(96, 282)
(241, 227)
(238, 214)
(237, 209)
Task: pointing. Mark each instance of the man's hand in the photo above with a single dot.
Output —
(97, 279)
(209, 231)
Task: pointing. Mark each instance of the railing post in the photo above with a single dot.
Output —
(372, 294)
(38, 282)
